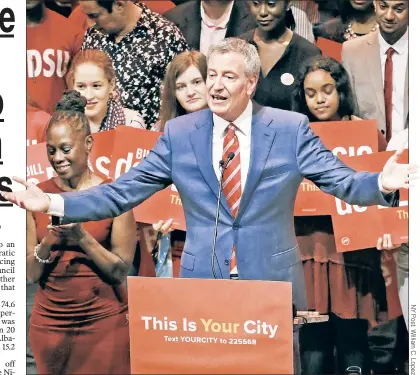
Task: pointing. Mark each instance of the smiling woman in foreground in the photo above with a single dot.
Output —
(78, 323)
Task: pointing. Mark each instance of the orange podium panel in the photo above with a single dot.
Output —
(204, 326)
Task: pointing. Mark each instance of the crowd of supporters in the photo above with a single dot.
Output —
(143, 63)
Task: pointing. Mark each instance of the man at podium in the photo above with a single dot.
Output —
(264, 153)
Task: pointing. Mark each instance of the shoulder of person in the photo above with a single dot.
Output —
(163, 24)
(98, 180)
(242, 8)
(357, 43)
(134, 119)
(248, 36)
(305, 45)
(187, 123)
(48, 186)
(282, 119)
(332, 29)
(181, 12)
(55, 17)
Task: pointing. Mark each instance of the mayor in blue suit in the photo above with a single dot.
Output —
(277, 150)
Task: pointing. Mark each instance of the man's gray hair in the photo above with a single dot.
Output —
(242, 47)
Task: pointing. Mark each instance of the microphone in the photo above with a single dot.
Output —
(222, 166)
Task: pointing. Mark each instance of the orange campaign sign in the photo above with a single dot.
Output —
(39, 168)
(202, 326)
(330, 48)
(131, 146)
(101, 154)
(360, 227)
(343, 138)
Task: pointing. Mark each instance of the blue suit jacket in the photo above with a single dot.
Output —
(283, 151)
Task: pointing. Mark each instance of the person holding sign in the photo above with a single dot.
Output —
(78, 322)
(346, 286)
(265, 154)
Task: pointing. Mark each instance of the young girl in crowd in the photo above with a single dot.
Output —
(184, 86)
(91, 73)
(356, 19)
(281, 50)
(349, 287)
(78, 323)
(184, 91)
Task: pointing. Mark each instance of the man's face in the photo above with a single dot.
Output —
(229, 88)
(392, 17)
(106, 23)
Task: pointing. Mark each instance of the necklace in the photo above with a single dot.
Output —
(350, 34)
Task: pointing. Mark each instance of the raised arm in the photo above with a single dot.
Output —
(108, 200)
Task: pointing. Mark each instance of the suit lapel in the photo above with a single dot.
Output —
(373, 60)
(193, 26)
(234, 21)
(261, 141)
(202, 144)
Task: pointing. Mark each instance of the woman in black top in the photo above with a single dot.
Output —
(356, 19)
(281, 51)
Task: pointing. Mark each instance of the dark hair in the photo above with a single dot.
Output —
(107, 4)
(70, 109)
(346, 11)
(170, 108)
(346, 105)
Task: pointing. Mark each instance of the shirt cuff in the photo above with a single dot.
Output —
(56, 205)
(381, 188)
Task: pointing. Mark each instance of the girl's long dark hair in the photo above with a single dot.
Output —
(342, 83)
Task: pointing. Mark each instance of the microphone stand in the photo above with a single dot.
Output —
(222, 166)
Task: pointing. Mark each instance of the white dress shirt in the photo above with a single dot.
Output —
(400, 66)
(213, 31)
(243, 123)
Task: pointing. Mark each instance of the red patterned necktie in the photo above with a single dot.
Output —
(232, 182)
(388, 93)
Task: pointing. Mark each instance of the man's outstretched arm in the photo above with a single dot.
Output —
(108, 200)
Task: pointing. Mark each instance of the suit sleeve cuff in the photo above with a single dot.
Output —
(381, 188)
(56, 205)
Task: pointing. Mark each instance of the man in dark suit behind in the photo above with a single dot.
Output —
(208, 21)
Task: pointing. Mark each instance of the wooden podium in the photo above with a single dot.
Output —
(196, 326)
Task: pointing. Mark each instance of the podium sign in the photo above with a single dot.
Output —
(202, 326)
